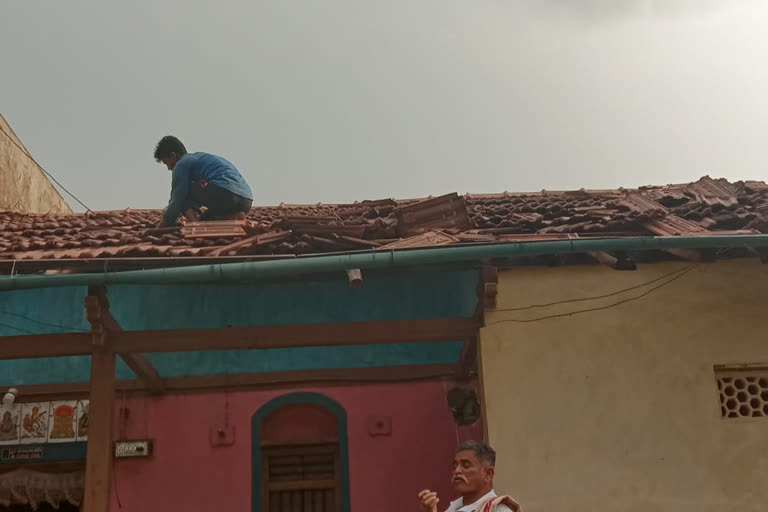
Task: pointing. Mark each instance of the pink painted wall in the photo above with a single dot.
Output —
(186, 473)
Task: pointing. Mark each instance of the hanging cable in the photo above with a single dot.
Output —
(602, 308)
(595, 297)
(16, 328)
(43, 169)
(39, 322)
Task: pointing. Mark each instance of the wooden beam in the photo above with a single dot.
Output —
(250, 381)
(98, 460)
(45, 345)
(137, 362)
(273, 336)
(481, 389)
(140, 365)
(616, 263)
(355, 277)
(301, 335)
(301, 378)
(98, 463)
(71, 390)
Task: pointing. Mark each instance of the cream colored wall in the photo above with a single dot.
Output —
(23, 186)
(617, 410)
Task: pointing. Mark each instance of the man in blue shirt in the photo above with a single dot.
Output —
(201, 180)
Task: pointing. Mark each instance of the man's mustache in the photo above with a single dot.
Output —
(459, 477)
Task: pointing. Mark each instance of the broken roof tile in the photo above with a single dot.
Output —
(249, 243)
(447, 211)
(712, 192)
(429, 239)
(672, 225)
(638, 203)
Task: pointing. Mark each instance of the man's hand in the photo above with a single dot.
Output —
(428, 501)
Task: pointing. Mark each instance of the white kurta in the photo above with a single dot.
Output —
(459, 506)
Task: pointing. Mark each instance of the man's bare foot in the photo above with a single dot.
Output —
(192, 215)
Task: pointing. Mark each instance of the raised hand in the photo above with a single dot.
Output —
(428, 501)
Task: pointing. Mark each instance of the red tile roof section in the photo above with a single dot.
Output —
(697, 208)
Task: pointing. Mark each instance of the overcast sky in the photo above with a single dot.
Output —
(338, 100)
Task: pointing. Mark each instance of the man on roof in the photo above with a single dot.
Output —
(201, 180)
(472, 477)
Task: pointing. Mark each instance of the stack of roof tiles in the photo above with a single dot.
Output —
(702, 207)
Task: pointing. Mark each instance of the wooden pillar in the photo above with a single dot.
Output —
(98, 462)
(481, 386)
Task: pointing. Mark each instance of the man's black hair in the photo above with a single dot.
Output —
(167, 145)
(482, 450)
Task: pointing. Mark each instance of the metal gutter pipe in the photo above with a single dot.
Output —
(270, 269)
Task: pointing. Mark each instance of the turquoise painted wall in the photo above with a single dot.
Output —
(43, 311)
(385, 296)
(426, 294)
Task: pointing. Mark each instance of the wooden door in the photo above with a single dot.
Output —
(300, 478)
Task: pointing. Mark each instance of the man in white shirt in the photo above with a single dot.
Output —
(472, 477)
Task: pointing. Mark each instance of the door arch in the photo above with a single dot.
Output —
(309, 438)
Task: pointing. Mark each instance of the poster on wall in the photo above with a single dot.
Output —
(34, 422)
(62, 423)
(82, 420)
(9, 424)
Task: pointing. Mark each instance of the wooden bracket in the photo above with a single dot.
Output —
(102, 322)
(490, 277)
(466, 368)
(93, 312)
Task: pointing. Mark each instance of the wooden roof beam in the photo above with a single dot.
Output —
(257, 337)
(251, 381)
(300, 335)
(45, 345)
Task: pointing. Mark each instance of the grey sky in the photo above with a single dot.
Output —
(338, 100)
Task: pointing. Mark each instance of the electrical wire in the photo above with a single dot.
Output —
(595, 297)
(602, 308)
(16, 328)
(30, 319)
(43, 169)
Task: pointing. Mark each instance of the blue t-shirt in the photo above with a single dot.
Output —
(196, 166)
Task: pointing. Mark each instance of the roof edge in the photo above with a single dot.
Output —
(271, 269)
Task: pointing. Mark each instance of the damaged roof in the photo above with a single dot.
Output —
(706, 206)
